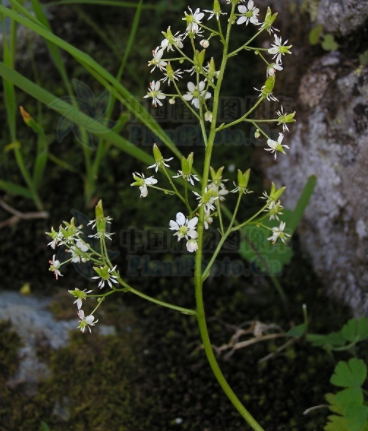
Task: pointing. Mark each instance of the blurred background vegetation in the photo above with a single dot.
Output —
(152, 375)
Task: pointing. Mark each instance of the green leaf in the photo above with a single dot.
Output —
(297, 331)
(349, 397)
(73, 114)
(329, 43)
(337, 423)
(314, 34)
(355, 330)
(356, 417)
(334, 405)
(334, 339)
(349, 375)
(15, 189)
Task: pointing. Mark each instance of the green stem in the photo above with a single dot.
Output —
(198, 261)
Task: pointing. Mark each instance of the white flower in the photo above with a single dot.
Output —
(76, 250)
(269, 96)
(185, 228)
(188, 178)
(241, 189)
(196, 93)
(54, 267)
(284, 118)
(207, 199)
(214, 13)
(155, 93)
(105, 274)
(176, 75)
(193, 20)
(142, 182)
(157, 60)
(172, 41)
(250, 14)
(278, 232)
(208, 219)
(80, 295)
(208, 116)
(274, 208)
(192, 245)
(279, 49)
(276, 145)
(271, 69)
(86, 322)
(160, 163)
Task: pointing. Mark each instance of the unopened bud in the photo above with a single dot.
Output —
(204, 43)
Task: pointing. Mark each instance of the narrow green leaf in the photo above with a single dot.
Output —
(302, 204)
(349, 375)
(128, 99)
(73, 114)
(102, 3)
(15, 189)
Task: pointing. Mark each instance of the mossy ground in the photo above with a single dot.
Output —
(153, 371)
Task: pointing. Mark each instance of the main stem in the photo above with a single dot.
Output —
(198, 263)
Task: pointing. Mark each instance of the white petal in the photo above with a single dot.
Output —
(89, 319)
(242, 9)
(201, 86)
(191, 87)
(192, 223)
(144, 191)
(150, 180)
(193, 234)
(174, 225)
(188, 97)
(195, 102)
(241, 20)
(181, 219)
(250, 4)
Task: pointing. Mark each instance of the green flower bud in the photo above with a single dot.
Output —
(243, 179)
(199, 57)
(100, 219)
(269, 19)
(157, 153)
(216, 7)
(276, 194)
(216, 176)
(186, 165)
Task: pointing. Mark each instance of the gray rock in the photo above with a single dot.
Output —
(36, 326)
(331, 142)
(342, 16)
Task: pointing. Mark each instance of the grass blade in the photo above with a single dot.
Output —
(73, 114)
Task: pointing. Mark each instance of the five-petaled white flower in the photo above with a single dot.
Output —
(279, 49)
(214, 13)
(207, 199)
(142, 182)
(276, 145)
(196, 93)
(175, 75)
(274, 208)
(80, 295)
(106, 275)
(185, 229)
(86, 321)
(160, 163)
(249, 14)
(278, 232)
(188, 178)
(155, 93)
(157, 60)
(172, 41)
(54, 267)
(193, 20)
(76, 250)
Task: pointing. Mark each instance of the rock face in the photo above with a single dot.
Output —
(342, 16)
(331, 142)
